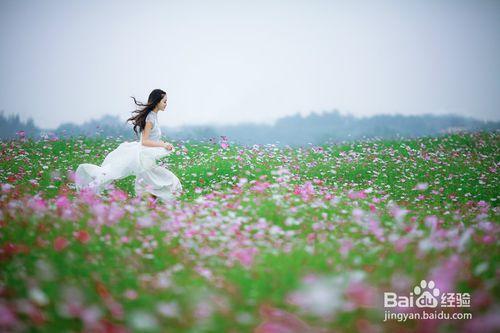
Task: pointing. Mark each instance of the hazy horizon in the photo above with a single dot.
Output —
(224, 63)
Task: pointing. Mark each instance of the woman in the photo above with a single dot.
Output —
(137, 158)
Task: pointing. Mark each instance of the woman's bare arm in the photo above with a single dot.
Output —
(150, 143)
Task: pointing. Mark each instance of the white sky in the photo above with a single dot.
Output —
(224, 62)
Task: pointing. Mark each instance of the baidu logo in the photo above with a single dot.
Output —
(426, 295)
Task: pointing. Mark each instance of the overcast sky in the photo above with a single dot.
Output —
(224, 62)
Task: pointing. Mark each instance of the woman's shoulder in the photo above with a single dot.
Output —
(151, 117)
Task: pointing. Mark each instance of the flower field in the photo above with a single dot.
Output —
(264, 239)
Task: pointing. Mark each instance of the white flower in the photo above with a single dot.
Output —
(143, 321)
(170, 309)
(38, 296)
(421, 186)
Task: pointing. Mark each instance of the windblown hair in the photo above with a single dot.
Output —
(138, 118)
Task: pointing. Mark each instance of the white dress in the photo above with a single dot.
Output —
(133, 158)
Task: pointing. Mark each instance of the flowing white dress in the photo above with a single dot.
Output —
(133, 158)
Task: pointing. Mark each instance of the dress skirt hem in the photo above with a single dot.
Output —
(131, 158)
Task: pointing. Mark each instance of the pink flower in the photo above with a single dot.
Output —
(446, 274)
(118, 195)
(115, 213)
(145, 222)
(400, 244)
(90, 317)
(245, 256)
(205, 272)
(62, 202)
(8, 317)
(260, 187)
(60, 243)
(482, 203)
(38, 205)
(114, 307)
(431, 222)
(223, 143)
(88, 196)
(357, 195)
(487, 239)
(82, 236)
(398, 212)
(373, 209)
(345, 247)
(360, 294)
(306, 191)
(6, 187)
(131, 294)
(376, 230)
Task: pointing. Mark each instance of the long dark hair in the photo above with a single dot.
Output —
(138, 118)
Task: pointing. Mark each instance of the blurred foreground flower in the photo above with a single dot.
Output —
(324, 296)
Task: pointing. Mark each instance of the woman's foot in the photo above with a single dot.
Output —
(153, 200)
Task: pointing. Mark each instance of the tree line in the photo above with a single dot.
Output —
(295, 130)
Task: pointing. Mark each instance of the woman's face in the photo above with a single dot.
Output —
(163, 103)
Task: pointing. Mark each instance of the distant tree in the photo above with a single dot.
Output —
(294, 130)
(11, 127)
